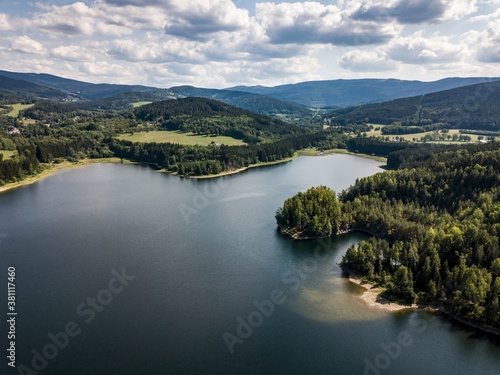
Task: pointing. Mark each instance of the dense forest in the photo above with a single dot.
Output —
(472, 107)
(373, 146)
(119, 102)
(435, 227)
(435, 215)
(315, 213)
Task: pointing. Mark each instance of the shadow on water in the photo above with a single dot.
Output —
(319, 290)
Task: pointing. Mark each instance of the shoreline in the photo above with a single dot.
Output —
(299, 237)
(371, 296)
(235, 171)
(304, 152)
(50, 169)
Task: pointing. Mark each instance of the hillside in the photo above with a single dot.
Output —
(84, 90)
(208, 116)
(122, 101)
(471, 107)
(14, 89)
(257, 103)
(345, 93)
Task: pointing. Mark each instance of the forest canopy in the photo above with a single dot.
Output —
(317, 213)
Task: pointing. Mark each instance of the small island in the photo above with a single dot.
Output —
(435, 226)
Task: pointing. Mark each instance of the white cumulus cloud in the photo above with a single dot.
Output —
(4, 22)
(25, 44)
(366, 61)
(417, 49)
(73, 53)
(313, 22)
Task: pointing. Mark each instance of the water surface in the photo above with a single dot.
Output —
(204, 254)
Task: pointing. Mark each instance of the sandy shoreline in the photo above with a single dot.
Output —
(372, 297)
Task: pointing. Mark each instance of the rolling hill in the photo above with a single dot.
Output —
(82, 90)
(12, 90)
(257, 103)
(211, 117)
(471, 107)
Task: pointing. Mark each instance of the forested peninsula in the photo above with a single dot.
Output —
(435, 222)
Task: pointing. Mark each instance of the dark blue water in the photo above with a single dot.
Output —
(205, 283)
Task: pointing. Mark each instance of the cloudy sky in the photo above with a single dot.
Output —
(221, 43)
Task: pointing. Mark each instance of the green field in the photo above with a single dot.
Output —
(175, 136)
(417, 136)
(7, 154)
(139, 104)
(16, 108)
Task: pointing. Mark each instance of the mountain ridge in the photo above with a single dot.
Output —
(346, 93)
(291, 101)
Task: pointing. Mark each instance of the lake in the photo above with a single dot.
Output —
(121, 269)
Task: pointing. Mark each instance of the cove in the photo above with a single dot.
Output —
(194, 281)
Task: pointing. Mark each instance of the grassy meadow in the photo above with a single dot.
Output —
(7, 154)
(16, 108)
(176, 136)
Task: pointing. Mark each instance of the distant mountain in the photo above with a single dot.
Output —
(14, 89)
(469, 107)
(345, 93)
(83, 90)
(289, 102)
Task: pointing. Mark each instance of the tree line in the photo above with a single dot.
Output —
(200, 160)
